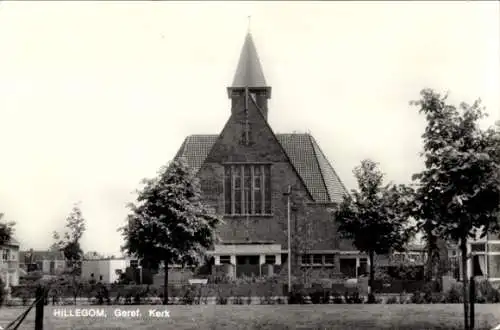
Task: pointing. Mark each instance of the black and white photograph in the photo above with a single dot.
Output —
(260, 165)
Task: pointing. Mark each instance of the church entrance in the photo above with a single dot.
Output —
(247, 266)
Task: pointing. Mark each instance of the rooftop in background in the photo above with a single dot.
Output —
(12, 242)
(41, 255)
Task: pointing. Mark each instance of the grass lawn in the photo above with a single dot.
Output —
(233, 317)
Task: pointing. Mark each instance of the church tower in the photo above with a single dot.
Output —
(249, 80)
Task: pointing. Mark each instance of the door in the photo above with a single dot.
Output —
(247, 266)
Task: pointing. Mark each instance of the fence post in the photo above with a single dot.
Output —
(472, 300)
(40, 298)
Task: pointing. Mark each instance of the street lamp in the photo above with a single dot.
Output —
(287, 194)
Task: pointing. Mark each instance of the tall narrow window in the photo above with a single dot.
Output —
(247, 189)
(267, 190)
(237, 189)
(228, 209)
(257, 191)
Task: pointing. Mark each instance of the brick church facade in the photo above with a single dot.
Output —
(245, 173)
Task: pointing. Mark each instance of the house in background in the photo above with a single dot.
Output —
(47, 262)
(105, 270)
(9, 265)
(485, 260)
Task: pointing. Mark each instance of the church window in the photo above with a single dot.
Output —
(247, 189)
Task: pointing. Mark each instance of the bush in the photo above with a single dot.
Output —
(392, 300)
(486, 293)
(353, 298)
(296, 298)
(189, 296)
(222, 297)
(319, 296)
(417, 298)
(454, 294)
(337, 298)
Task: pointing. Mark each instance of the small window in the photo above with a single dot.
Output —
(270, 259)
(92, 275)
(317, 259)
(225, 260)
(329, 259)
(100, 277)
(5, 255)
(134, 263)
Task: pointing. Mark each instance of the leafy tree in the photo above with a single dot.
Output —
(301, 235)
(375, 216)
(70, 243)
(169, 224)
(6, 230)
(458, 194)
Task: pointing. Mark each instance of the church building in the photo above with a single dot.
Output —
(260, 182)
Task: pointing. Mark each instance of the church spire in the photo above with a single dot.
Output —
(249, 77)
(249, 71)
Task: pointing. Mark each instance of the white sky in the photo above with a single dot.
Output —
(96, 96)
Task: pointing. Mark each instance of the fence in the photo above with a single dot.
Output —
(87, 291)
(398, 286)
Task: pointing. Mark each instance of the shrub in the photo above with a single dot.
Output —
(222, 297)
(417, 298)
(392, 300)
(486, 293)
(454, 294)
(319, 296)
(296, 298)
(238, 300)
(353, 298)
(435, 298)
(188, 296)
(337, 298)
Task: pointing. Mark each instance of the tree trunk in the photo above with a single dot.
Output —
(430, 258)
(165, 285)
(463, 250)
(371, 296)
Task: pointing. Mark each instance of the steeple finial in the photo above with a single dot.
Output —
(249, 21)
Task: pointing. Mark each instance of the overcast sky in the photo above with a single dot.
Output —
(96, 96)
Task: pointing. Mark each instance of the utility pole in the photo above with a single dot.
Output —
(288, 193)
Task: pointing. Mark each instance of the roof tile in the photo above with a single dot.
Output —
(306, 156)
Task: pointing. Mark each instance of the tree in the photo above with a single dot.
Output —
(458, 194)
(70, 243)
(375, 216)
(168, 223)
(6, 230)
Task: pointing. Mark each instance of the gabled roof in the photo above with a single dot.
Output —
(41, 255)
(249, 72)
(320, 179)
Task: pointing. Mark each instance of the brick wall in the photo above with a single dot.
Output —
(264, 147)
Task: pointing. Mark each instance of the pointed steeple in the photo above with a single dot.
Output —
(249, 79)
(249, 71)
